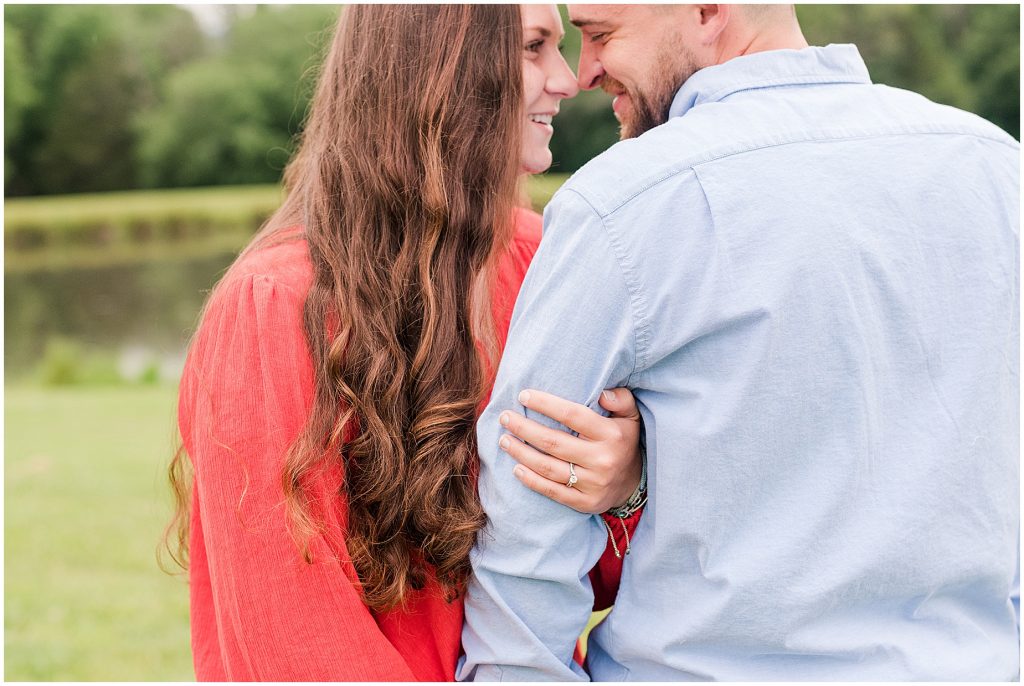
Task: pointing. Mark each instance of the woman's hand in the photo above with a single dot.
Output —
(605, 456)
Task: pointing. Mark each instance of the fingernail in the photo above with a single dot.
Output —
(504, 443)
(608, 395)
(518, 471)
(504, 419)
(524, 397)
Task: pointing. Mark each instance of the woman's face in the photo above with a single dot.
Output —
(547, 79)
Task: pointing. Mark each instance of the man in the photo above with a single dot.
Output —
(811, 285)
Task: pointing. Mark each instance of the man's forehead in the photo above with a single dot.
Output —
(582, 15)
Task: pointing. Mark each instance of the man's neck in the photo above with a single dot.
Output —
(763, 42)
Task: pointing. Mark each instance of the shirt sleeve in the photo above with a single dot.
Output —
(572, 335)
(1015, 590)
(259, 611)
(511, 272)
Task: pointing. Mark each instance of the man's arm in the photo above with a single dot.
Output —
(573, 335)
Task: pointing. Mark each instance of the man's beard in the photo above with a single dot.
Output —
(650, 108)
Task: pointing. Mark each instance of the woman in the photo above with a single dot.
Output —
(331, 390)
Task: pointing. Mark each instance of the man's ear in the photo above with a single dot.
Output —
(712, 20)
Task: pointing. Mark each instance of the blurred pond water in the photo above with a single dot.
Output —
(136, 316)
(99, 300)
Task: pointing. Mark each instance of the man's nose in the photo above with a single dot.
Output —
(590, 72)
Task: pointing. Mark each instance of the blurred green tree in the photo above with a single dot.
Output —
(94, 68)
(90, 138)
(991, 46)
(211, 130)
(19, 94)
(232, 117)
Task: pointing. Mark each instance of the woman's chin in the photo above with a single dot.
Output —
(536, 164)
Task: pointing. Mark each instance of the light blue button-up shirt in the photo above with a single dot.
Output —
(811, 285)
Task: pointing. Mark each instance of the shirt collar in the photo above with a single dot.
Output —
(831, 64)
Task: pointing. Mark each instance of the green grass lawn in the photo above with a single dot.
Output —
(114, 206)
(85, 504)
(215, 201)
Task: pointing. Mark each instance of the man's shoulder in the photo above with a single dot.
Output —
(942, 117)
(671, 151)
(634, 166)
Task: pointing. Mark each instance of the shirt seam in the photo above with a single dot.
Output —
(714, 157)
(641, 330)
(729, 273)
(779, 82)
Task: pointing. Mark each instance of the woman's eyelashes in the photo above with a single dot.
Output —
(536, 46)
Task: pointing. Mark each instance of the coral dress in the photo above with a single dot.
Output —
(258, 611)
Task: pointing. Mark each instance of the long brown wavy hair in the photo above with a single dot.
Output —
(405, 183)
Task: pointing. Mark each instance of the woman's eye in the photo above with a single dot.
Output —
(534, 45)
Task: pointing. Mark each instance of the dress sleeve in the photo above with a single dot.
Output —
(259, 611)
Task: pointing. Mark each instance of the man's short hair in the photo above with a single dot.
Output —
(763, 15)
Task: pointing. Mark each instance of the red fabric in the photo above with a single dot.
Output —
(606, 575)
(258, 611)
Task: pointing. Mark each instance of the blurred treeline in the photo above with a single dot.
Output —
(104, 97)
(112, 97)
